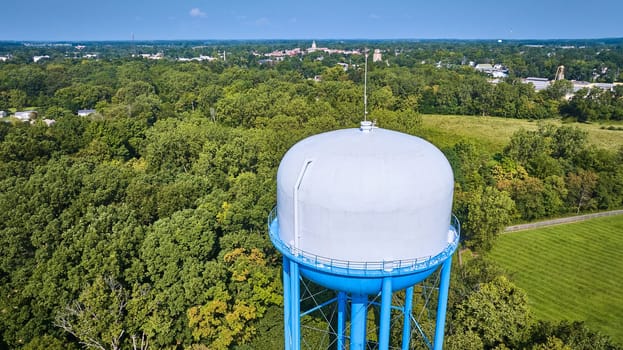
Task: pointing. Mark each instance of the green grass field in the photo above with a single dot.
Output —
(494, 133)
(571, 271)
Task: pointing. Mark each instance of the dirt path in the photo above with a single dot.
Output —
(561, 221)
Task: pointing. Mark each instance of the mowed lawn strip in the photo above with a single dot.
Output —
(571, 271)
(494, 133)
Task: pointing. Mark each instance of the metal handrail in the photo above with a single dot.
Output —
(363, 266)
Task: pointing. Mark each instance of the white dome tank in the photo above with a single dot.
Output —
(365, 195)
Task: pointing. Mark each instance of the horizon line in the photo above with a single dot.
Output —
(306, 39)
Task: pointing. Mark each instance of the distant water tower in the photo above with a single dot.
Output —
(364, 212)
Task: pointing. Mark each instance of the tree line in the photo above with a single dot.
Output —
(428, 90)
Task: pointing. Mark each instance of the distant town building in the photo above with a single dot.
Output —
(3, 114)
(39, 58)
(577, 85)
(5, 58)
(604, 86)
(538, 83)
(85, 112)
(199, 59)
(279, 55)
(25, 115)
(313, 47)
(150, 56)
(500, 74)
(377, 56)
(496, 71)
(343, 65)
(49, 122)
(543, 83)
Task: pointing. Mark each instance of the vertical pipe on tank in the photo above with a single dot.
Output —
(386, 303)
(295, 311)
(295, 198)
(406, 326)
(442, 303)
(358, 318)
(341, 319)
(287, 303)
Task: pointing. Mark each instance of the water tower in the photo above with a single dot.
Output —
(365, 212)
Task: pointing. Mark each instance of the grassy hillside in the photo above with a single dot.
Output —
(570, 271)
(494, 133)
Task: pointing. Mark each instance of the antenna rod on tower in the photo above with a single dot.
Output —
(365, 86)
(133, 45)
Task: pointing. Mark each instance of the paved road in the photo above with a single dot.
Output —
(561, 221)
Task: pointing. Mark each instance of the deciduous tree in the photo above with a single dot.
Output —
(497, 312)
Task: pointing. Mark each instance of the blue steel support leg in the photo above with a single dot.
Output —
(358, 320)
(406, 327)
(341, 319)
(287, 304)
(386, 303)
(295, 313)
(442, 304)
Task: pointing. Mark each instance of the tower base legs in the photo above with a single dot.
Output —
(359, 310)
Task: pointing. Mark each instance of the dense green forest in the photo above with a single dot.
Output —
(143, 225)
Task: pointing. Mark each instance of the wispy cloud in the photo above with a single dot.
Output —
(196, 12)
(262, 21)
(374, 16)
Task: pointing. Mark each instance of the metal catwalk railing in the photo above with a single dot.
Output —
(367, 268)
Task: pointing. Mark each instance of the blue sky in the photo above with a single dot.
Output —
(64, 20)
